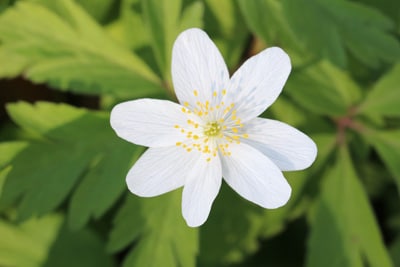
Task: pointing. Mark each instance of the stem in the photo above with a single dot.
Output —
(347, 122)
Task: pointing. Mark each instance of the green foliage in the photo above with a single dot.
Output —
(27, 245)
(343, 24)
(101, 10)
(387, 144)
(164, 22)
(345, 218)
(260, 14)
(164, 238)
(65, 48)
(46, 242)
(226, 29)
(63, 155)
(383, 98)
(78, 248)
(334, 90)
(7, 152)
(325, 28)
(395, 249)
(63, 198)
(241, 226)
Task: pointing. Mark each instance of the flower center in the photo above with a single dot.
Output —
(223, 127)
(212, 129)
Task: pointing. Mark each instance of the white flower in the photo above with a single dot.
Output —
(214, 132)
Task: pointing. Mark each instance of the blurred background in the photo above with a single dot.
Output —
(63, 200)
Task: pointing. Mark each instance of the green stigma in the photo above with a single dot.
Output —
(212, 129)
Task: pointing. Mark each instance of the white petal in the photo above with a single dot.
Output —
(201, 188)
(256, 178)
(286, 146)
(148, 122)
(160, 170)
(259, 81)
(197, 65)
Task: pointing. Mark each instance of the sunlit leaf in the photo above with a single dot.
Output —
(27, 245)
(15, 63)
(68, 50)
(8, 150)
(134, 32)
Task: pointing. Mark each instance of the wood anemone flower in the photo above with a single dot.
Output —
(215, 132)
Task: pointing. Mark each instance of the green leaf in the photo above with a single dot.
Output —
(395, 251)
(323, 89)
(3, 174)
(100, 10)
(4, 4)
(164, 22)
(384, 98)
(79, 249)
(134, 32)
(45, 117)
(98, 190)
(77, 144)
(344, 230)
(267, 20)
(27, 245)
(285, 110)
(230, 234)
(327, 27)
(275, 220)
(387, 144)
(67, 49)
(192, 16)
(322, 38)
(8, 151)
(156, 224)
(222, 21)
(326, 144)
(15, 63)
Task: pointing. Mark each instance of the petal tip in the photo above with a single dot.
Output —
(191, 31)
(311, 154)
(192, 218)
(281, 54)
(194, 223)
(283, 198)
